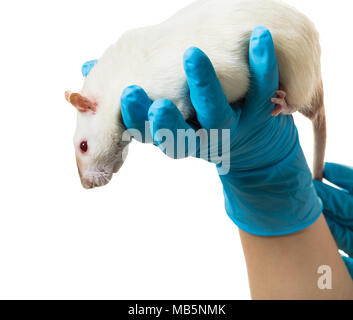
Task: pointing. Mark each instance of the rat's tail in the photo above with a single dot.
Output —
(319, 127)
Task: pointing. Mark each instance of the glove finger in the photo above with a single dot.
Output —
(336, 202)
(342, 234)
(170, 132)
(341, 176)
(349, 265)
(134, 109)
(211, 105)
(264, 72)
(87, 67)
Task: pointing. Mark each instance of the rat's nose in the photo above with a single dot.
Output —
(95, 181)
(87, 184)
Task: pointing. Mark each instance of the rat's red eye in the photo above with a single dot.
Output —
(84, 146)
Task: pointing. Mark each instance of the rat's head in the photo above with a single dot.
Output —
(99, 147)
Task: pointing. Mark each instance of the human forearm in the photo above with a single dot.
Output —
(287, 267)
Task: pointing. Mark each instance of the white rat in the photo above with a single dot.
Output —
(151, 57)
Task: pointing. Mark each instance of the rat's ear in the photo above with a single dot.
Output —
(81, 103)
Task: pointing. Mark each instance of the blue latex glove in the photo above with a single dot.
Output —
(87, 67)
(268, 190)
(338, 207)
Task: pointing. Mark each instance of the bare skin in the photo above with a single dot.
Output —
(286, 267)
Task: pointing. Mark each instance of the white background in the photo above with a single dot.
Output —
(159, 230)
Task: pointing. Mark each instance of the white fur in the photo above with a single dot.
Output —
(152, 58)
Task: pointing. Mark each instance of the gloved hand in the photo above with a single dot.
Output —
(338, 207)
(268, 187)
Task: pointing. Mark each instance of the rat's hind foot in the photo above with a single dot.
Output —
(281, 105)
